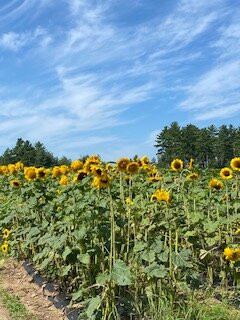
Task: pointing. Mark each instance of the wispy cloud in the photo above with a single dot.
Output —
(84, 70)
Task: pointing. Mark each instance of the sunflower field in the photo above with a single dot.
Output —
(125, 240)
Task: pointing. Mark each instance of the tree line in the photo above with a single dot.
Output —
(210, 146)
(31, 155)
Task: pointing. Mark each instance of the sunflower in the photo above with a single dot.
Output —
(4, 169)
(64, 169)
(15, 183)
(30, 173)
(81, 174)
(161, 195)
(6, 233)
(92, 160)
(190, 166)
(56, 171)
(226, 173)
(177, 165)
(109, 167)
(132, 167)
(215, 184)
(192, 176)
(145, 160)
(122, 164)
(4, 248)
(19, 166)
(96, 170)
(12, 169)
(232, 254)
(41, 173)
(64, 180)
(235, 164)
(101, 182)
(76, 165)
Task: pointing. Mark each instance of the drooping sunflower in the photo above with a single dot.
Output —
(6, 233)
(177, 165)
(132, 167)
(122, 164)
(80, 175)
(192, 176)
(215, 184)
(56, 172)
(76, 165)
(30, 173)
(235, 164)
(41, 173)
(101, 182)
(232, 254)
(161, 195)
(15, 183)
(226, 173)
(64, 180)
(4, 248)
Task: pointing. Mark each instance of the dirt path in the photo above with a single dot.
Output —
(4, 315)
(15, 280)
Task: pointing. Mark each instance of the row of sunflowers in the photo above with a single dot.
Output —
(117, 237)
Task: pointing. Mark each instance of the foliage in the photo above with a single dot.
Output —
(210, 147)
(117, 250)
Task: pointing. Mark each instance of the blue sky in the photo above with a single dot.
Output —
(91, 76)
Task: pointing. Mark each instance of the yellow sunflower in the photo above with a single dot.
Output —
(161, 195)
(235, 164)
(6, 233)
(132, 168)
(12, 169)
(232, 254)
(15, 183)
(226, 173)
(92, 160)
(56, 171)
(41, 173)
(4, 248)
(76, 165)
(30, 173)
(145, 160)
(122, 164)
(96, 170)
(215, 184)
(192, 176)
(177, 165)
(101, 182)
(64, 180)
(81, 174)
(129, 201)
(4, 170)
(64, 169)
(19, 165)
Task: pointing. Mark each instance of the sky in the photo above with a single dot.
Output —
(105, 77)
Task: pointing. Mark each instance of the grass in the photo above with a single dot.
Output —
(15, 308)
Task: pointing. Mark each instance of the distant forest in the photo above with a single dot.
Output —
(209, 147)
(31, 155)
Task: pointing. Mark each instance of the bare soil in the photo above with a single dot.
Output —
(15, 280)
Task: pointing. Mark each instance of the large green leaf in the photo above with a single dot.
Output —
(121, 273)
